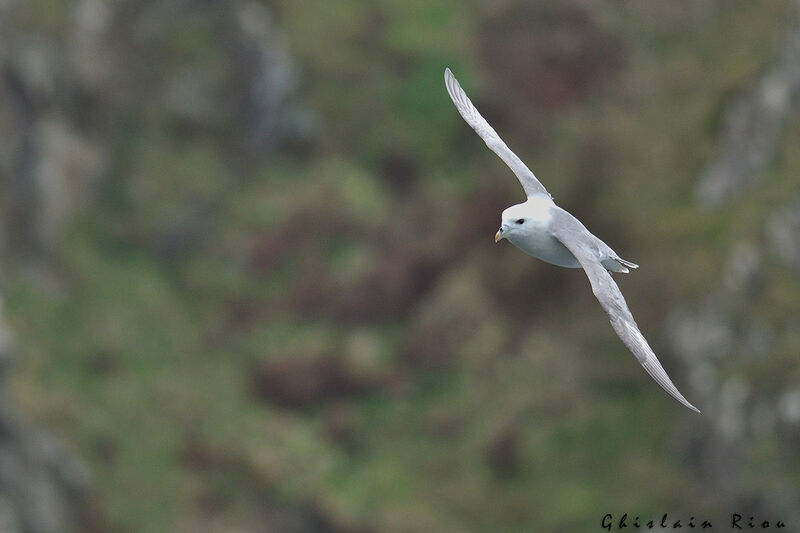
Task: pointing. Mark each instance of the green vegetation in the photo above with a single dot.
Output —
(332, 326)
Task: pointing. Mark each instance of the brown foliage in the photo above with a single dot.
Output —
(550, 54)
(503, 452)
(301, 382)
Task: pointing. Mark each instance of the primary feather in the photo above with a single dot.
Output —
(490, 137)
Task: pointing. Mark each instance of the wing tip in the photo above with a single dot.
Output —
(692, 407)
(449, 78)
(452, 85)
(675, 393)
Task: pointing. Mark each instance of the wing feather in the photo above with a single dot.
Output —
(490, 137)
(581, 243)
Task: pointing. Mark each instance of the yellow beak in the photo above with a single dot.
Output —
(498, 235)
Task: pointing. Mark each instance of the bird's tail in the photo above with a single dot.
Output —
(625, 263)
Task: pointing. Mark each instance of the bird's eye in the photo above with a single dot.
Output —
(520, 221)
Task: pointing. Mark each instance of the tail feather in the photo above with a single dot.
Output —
(625, 263)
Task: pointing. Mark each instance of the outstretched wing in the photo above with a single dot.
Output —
(491, 138)
(584, 247)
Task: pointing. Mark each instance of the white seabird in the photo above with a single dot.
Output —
(542, 229)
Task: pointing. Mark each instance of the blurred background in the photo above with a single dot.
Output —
(249, 284)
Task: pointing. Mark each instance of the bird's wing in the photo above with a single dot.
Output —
(572, 234)
(491, 138)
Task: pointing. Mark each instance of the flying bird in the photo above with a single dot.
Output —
(542, 229)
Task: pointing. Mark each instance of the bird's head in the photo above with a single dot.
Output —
(515, 220)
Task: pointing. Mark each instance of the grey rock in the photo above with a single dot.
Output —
(9, 520)
(742, 273)
(191, 94)
(789, 406)
(783, 233)
(67, 171)
(8, 348)
(753, 125)
(703, 333)
(731, 417)
(89, 56)
(270, 81)
(720, 333)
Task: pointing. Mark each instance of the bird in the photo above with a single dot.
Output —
(548, 232)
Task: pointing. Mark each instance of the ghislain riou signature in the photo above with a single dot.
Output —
(735, 522)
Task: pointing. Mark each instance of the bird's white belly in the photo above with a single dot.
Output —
(541, 244)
